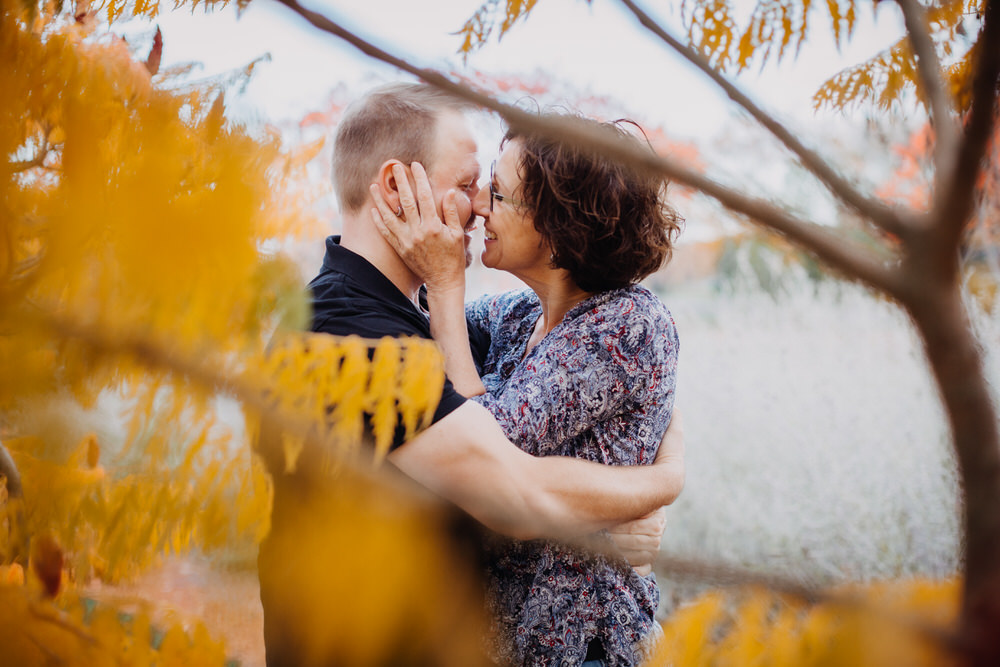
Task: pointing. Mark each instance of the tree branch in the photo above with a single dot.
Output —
(940, 107)
(878, 212)
(9, 470)
(37, 161)
(852, 259)
(954, 204)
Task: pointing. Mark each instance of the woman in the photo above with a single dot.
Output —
(581, 364)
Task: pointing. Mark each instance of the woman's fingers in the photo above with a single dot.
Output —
(425, 197)
(385, 219)
(411, 211)
(450, 207)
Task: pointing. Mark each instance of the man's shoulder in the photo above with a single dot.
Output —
(350, 297)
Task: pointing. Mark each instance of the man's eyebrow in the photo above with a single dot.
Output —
(469, 174)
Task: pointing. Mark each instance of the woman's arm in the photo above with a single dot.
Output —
(449, 330)
(435, 252)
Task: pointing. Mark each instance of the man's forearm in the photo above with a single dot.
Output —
(466, 459)
(577, 497)
(615, 493)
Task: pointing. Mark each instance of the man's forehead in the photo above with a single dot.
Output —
(454, 135)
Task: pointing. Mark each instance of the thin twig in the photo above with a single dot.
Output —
(9, 470)
(852, 259)
(37, 161)
(61, 620)
(878, 212)
(955, 203)
(940, 107)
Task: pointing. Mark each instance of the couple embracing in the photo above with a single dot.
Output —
(554, 416)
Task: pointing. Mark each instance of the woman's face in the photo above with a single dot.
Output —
(512, 242)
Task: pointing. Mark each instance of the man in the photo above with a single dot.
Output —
(364, 288)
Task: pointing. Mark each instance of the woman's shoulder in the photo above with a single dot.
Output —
(633, 304)
(629, 323)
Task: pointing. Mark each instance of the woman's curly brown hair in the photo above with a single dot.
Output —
(607, 224)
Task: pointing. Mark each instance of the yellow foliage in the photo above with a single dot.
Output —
(330, 383)
(114, 525)
(477, 30)
(74, 632)
(773, 28)
(882, 624)
(711, 29)
(131, 222)
(884, 78)
(380, 583)
(125, 9)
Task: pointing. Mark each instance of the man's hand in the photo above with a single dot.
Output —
(639, 540)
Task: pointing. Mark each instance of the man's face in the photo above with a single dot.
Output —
(456, 167)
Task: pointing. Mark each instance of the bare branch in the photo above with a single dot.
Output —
(878, 212)
(853, 260)
(929, 68)
(954, 204)
(9, 470)
(37, 161)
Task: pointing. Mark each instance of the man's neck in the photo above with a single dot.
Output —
(360, 237)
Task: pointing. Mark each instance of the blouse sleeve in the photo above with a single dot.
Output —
(600, 366)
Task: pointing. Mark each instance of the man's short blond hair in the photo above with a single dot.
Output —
(395, 121)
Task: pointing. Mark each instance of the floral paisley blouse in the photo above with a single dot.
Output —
(599, 386)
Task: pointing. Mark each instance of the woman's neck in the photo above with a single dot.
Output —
(558, 294)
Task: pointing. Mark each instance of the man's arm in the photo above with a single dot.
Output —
(466, 458)
(639, 540)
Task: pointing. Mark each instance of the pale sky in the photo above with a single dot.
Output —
(594, 48)
(597, 47)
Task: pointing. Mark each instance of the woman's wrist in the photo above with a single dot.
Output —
(447, 288)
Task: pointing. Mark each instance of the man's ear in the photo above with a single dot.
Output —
(387, 184)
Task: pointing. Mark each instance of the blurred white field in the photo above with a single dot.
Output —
(816, 442)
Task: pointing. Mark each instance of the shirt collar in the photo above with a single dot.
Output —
(348, 262)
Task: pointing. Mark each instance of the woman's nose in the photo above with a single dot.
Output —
(481, 203)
